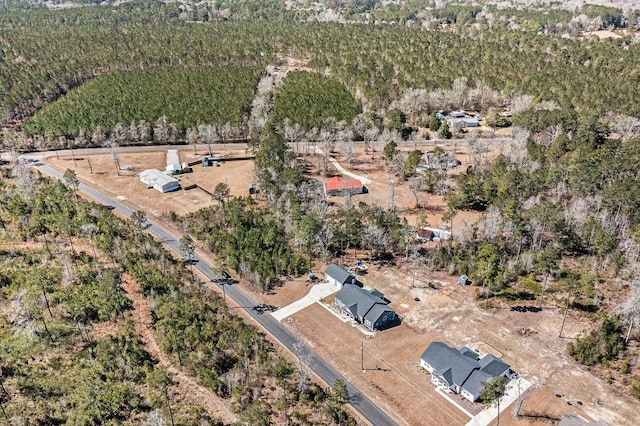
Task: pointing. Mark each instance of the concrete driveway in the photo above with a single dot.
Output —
(318, 292)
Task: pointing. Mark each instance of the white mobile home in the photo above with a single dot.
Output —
(158, 180)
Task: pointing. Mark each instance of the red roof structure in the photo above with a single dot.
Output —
(425, 235)
(339, 184)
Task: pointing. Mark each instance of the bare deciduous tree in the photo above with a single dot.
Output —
(630, 308)
(459, 88)
(370, 135)
(627, 127)
(520, 103)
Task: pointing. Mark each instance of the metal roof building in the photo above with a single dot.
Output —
(337, 186)
(158, 180)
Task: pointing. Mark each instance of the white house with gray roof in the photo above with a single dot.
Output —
(338, 276)
(366, 307)
(461, 371)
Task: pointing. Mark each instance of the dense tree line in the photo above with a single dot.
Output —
(382, 62)
(309, 99)
(566, 196)
(187, 97)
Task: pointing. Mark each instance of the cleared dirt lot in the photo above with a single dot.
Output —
(526, 340)
(128, 189)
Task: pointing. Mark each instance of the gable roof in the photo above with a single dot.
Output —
(376, 292)
(156, 177)
(492, 365)
(445, 359)
(362, 304)
(376, 312)
(338, 184)
(469, 353)
(339, 274)
(459, 367)
(474, 383)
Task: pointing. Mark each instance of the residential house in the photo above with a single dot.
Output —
(438, 233)
(365, 306)
(460, 371)
(338, 187)
(158, 180)
(461, 119)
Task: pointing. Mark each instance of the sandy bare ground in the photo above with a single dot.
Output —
(528, 341)
(602, 34)
(185, 388)
(128, 189)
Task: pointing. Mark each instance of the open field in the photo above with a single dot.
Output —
(528, 341)
(128, 188)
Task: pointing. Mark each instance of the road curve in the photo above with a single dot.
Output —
(313, 361)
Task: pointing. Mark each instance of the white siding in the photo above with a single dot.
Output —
(426, 366)
(467, 395)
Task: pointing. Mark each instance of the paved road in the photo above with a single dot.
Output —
(313, 361)
(204, 149)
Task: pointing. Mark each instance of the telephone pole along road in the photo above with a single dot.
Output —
(313, 361)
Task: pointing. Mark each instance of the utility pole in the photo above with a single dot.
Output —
(362, 356)
(224, 293)
(566, 309)
(544, 288)
(166, 394)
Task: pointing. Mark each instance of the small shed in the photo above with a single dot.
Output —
(252, 188)
(463, 280)
(186, 168)
(424, 235)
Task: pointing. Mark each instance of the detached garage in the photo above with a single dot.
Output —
(158, 180)
(338, 276)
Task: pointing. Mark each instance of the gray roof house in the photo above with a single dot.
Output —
(366, 307)
(338, 276)
(460, 370)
